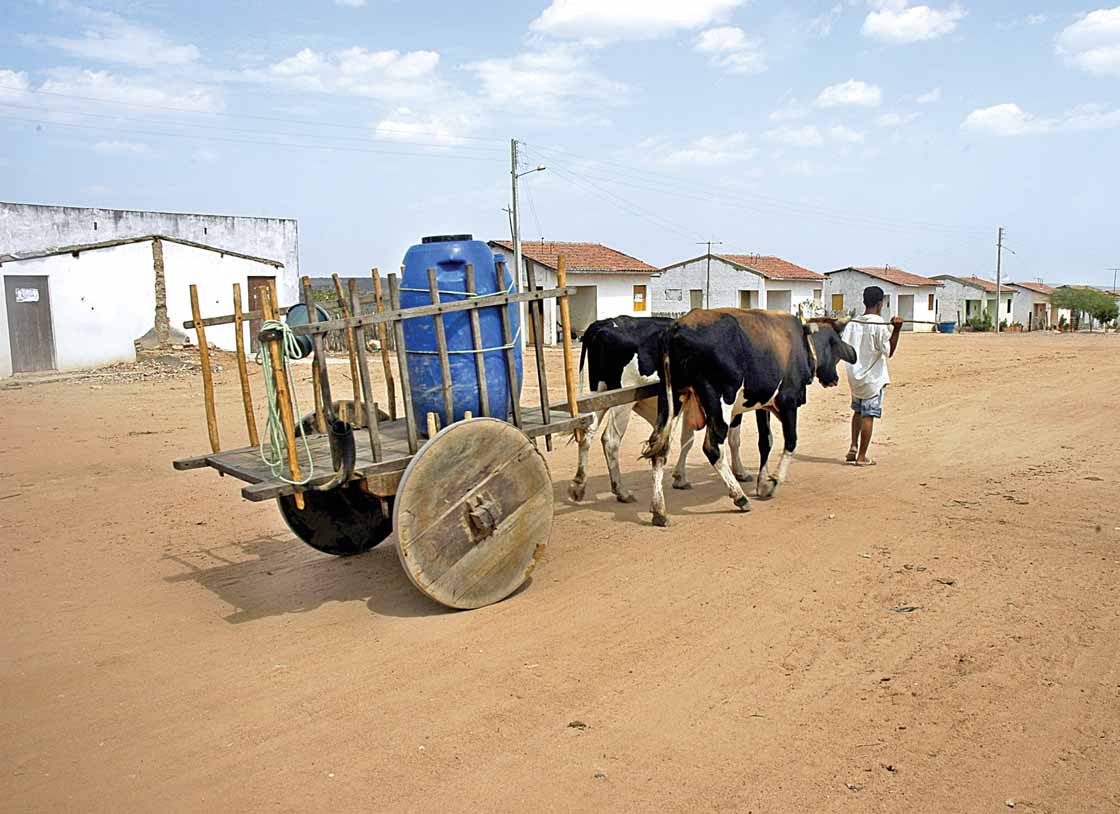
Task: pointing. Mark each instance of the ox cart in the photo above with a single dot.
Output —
(471, 502)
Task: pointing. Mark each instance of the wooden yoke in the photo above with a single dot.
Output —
(283, 394)
(566, 328)
(207, 373)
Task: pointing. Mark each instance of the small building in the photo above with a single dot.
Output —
(1032, 306)
(735, 281)
(910, 296)
(608, 282)
(963, 298)
(82, 306)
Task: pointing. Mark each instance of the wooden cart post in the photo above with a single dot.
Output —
(402, 364)
(479, 355)
(383, 338)
(283, 393)
(324, 404)
(566, 329)
(441, 348)
(509, 340)
(371, 418)
(207, 373)
(536, 318)
(351, 349)
(242, 367)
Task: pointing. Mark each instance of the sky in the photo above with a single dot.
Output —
(859, 132)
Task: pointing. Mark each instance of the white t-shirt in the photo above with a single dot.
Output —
(868, 376)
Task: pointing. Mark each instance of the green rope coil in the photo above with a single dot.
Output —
(275, 457)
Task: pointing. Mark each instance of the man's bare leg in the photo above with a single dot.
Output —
(867, 426)
(857, 424)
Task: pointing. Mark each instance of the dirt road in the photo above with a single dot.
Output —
(169, 647)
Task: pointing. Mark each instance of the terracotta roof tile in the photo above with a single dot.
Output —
(579, 256)
(890, 274)
(979, 282)
(770, 267)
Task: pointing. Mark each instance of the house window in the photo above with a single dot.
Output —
(837, 303)
(696, 298)
(674, 294)
(931, 303)
(816, 295)
(1009, 306)
(639, 298)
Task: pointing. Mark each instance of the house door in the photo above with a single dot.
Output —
(696, 298)
(747, 299)
(906, 310)
(837, 304)
(639, 299)
(256, 286)
(30, 332)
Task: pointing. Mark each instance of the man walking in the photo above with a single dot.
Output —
(868, 377)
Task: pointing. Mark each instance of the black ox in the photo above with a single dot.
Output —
(718, 364)
(621, 352)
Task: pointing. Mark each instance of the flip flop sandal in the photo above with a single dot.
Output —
(868, 462)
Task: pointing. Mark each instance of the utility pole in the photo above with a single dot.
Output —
(515, 215)
(1113, 270)
(708, 273)
(999, 274)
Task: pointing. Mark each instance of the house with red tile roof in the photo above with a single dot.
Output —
(910, 296)
(608, 282)
(962, 298)
(735, 281)
(1032, 306)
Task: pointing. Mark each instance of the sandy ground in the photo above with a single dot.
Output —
(168, 646)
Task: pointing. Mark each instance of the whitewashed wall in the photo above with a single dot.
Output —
(615, 293)
(852, 283)
(953, 296)
(726, 283)
(104, 299)
(32, 227)
(1024, 304)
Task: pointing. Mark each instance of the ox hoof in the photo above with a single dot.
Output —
(576, 493)
(766, 488)
(681, 484)
(744, 477)
(628, 498)
(743, 503)
(661, 520)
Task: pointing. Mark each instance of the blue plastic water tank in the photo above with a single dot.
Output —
(449, 256)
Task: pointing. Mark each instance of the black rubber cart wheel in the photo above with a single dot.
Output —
(342, 522)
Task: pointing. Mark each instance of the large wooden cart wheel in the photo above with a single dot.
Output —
(341, 522)
(473, 513)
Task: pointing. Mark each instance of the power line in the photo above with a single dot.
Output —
(259, 117)
(203, 137)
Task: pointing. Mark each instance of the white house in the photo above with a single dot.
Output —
(734, 281)
(911, 296)
(81, 306)
(962, 298)
(1032, 307)
(608, 282)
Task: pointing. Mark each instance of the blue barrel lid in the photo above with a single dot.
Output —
(445, 238)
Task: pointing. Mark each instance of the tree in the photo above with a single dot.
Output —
(1098, 305)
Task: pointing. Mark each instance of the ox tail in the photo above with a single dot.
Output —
(582, 357)
(658, 444)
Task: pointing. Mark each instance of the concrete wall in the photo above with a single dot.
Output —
(104, 299)
(954, 297)
(1024, 305)
(851, 284)
(31, 227)
(670, 288)
(614, 293)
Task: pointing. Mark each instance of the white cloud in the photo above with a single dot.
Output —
(791, 110)
(852, 93)
(545, 80)
(821, 25)
(114, 147)
(897, 22)
(404, 124)
(1093, 42)
(1009, 119)
(606, 20)
(14, 85)
(704, 152)
(104, 85)
(732, 50)
(930, 97)
(388, 74)
(895, 119)
(107, 37)
(845, 135)
(806, 136)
